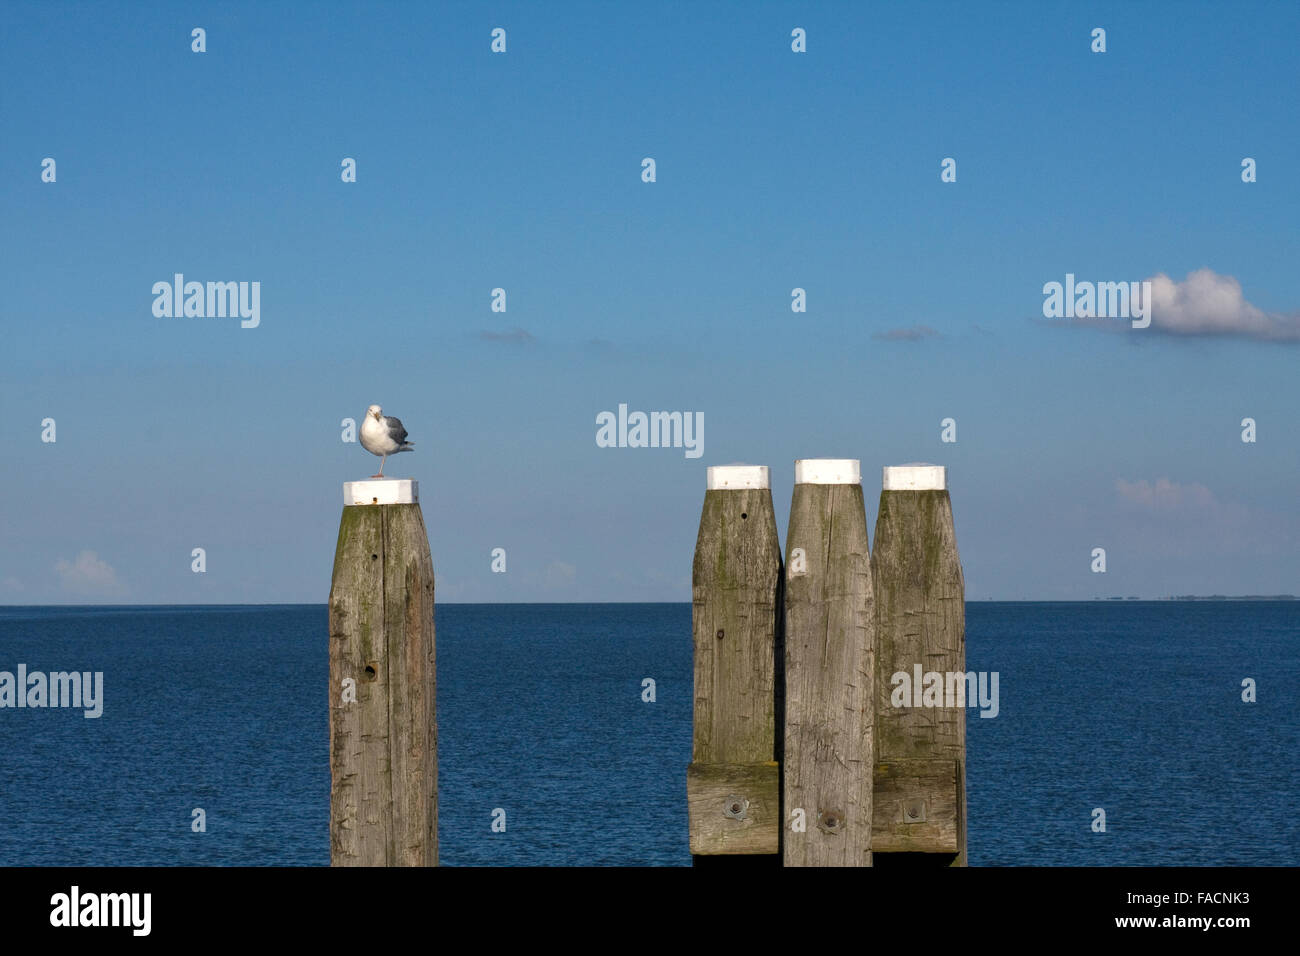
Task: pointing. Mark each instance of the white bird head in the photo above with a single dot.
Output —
(374, 411)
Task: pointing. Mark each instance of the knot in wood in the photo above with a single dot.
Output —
(831, 821)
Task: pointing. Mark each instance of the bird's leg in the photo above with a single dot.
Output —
(381, 467)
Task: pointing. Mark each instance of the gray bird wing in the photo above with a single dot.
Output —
(395, 430)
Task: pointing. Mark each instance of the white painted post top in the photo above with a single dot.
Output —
(721, 477)
(382, 491)
(828, 471)
(915, 477)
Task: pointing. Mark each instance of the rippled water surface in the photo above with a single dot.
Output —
(1133, 707)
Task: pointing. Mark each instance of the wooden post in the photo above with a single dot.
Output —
(732, 792)
(383, 725)
(920, 629)
(829, 647)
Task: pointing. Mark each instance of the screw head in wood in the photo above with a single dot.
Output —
(914, 811)
(735, 807)
(720, 632)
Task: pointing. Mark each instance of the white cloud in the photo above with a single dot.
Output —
(1206, 303)
(88, 575)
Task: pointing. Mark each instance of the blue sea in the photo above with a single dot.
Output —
(1132, 707)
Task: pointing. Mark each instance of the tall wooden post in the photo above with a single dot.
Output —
(383, 726)
(921, 631)
(829, 670)
(732, 792)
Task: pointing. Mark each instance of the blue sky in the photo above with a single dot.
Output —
(522, 171)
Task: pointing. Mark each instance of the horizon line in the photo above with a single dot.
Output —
(1092, 600)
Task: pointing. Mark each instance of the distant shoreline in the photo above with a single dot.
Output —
(1206, 597)
(1230, 597)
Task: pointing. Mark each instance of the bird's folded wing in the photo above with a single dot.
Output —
(395, 430)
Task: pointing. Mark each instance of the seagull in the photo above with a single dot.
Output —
(383, 436)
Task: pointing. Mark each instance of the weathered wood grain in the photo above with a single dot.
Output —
(384, 745)
(916, 807)
(736, 582)
(920, 619)
(733, 808)
(829, 673)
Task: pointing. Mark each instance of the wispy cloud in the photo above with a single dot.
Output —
(88, 575)
(909, 334)
(518, 336)
(1165, 495)
(1176, 520)
(560, 575)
